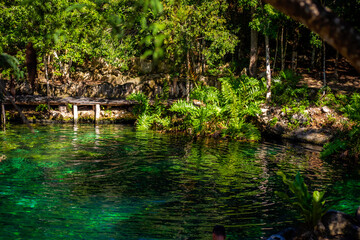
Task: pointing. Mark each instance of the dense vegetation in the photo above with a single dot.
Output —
(194, 37)
(221, 39)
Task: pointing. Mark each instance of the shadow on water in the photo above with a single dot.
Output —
(112, 182)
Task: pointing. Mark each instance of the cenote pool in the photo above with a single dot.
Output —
(112, 182)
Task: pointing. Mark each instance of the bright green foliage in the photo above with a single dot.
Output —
(242, 96)
(285, 89)
(210, 111)
(315, 40)
(148, 115)
(42, 108)
(198, 29)
(348, 141)
(311, 206)
(10, 65)
(143, 103)
(352, 110)
(228, 110)
(198, 118)
(202, 117)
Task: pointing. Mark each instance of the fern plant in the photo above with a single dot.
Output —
(148, 116)
(242, 96)
(241, 99)
(198, 118)
(347, 141)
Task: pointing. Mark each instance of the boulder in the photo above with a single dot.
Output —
(338, 225)
(325, 109)
(315, 136)
(334, 225)
(2, 157)
(62, 109)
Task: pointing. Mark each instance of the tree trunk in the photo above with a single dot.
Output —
(337, 65)
(198, 65)
(324, 67)
(60, 63)
(294, 50)
(203, 56)
(326, 24)
(276, 51)
(268, 70)
(253, 52)
(46, 77)
(68, 71)
(282, 49)
(294, 60)
(3, 116)
(313, 57)
(31, 64)
(187, 88)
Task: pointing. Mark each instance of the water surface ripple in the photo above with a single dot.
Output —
(112, 182)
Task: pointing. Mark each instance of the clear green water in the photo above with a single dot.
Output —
(112, 182)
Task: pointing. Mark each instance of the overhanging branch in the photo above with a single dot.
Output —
(326, 24)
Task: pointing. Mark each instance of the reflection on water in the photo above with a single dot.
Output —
(111, 182)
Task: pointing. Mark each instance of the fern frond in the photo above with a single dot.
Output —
(183, 107)
(144, 122)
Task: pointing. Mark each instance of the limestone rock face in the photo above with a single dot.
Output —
(312, 125)
(315, 136)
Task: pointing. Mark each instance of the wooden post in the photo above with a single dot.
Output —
(75, 113)
(97, 113)
(3, 116)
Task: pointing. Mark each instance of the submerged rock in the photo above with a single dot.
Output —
(288, 233)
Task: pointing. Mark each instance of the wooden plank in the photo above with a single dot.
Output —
(79, 101)
(36, 100)
(75, 113)
(97, 113)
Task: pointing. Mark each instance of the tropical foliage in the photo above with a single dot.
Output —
(311, 206)
(211, 111)
(347, 143)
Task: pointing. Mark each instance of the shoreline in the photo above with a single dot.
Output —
(316, 125)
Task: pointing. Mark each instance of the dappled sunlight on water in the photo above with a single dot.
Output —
(112, 182)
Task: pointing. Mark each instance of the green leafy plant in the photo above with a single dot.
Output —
(42, 108)
(347, 142)
(285, 89)
(148, 115)
(143, 103)
(273, 121)
(198, 118)
(311, 206)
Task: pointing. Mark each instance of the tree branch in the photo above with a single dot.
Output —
(326, 24)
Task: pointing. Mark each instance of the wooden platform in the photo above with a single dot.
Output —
(56, 101)
(74, 101)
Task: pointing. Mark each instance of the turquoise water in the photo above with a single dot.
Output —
(112, 182)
